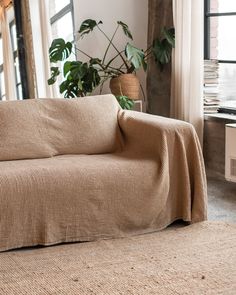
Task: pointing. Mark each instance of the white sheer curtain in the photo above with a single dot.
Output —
(41, 33)
(187, 67)
(51, 90)
(8, 62)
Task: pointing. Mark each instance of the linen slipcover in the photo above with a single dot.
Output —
(156, 177)
(39, 128)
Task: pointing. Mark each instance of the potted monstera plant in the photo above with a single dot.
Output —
(80, 78)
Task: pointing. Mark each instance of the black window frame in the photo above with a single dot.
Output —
(207, 16)
(207, 45)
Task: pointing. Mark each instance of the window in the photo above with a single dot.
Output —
(62, 23)
(220, 44)
(16, 59)
(2, 82)
(18, 86)
(61, 17)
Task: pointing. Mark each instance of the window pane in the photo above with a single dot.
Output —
(214, 30)
(13, 37)
(19, 91)
(63, 28)
(3, 92)
(227, 82)
(56, 5)
(17, 69)
(1, 52)
(223, 6)
(222, 40)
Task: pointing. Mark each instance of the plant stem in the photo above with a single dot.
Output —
(148, 55)
(127, 66)
(120, 67)
(148, 49)
(110, 61)
(111, 72)
(104, 68)
(118, 70)
(110, 42)
(102, 84)
(83, 52)
(142, 90)
(100, 64)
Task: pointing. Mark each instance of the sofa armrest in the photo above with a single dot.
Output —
(175, 147)
(146, 132)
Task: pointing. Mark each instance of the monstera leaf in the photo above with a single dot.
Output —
(162, 48)
(162, 51)
(87, 26)
(76, 69)
(69, 88)
(135, 56)
(59, 50)
(125, 102)
(55, 72)
(125, 29)
(81, 79)
(169, 35)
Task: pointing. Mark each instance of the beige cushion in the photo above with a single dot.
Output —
(40, 128)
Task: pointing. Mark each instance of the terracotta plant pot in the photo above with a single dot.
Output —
(125, 84)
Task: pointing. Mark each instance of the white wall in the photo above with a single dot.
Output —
(132, 12)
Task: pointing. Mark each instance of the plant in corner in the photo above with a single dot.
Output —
(80, 78)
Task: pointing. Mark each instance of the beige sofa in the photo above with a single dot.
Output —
(83, 169)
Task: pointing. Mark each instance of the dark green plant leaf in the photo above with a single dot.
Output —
(135, 56)
(125, 102)
(69, 88)
(75, 69)
(81, 79)
(55, 72)
(87, 26)
(78, 70)
(125, 29)
(169, 35)
(59, 50)
(91, 79)
(162, 51)
(66, 68)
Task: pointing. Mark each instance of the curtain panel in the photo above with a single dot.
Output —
(51, 90)
(41, 40)
(187, 63)
(8, 63)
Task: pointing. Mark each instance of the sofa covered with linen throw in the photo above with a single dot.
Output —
(84, 169)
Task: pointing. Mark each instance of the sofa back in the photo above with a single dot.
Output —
(39, 128)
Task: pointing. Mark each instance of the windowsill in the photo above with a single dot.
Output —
(227, 118)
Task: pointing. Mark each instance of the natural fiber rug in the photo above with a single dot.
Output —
(197, 259)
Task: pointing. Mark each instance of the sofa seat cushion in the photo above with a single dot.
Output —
(82, 198)
(39, 128)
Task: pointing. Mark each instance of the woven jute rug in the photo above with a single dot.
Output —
(196, 259)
